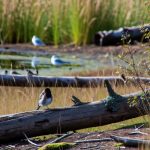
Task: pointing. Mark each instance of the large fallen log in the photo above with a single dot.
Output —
(66, 81)
(122, 36)
(112, 109)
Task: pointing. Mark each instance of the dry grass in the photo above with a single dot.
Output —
(19, 99)
(67, 21)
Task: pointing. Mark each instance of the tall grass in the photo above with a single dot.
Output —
(67, 21)
(20, 99)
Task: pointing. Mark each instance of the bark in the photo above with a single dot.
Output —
(112, 109)
(131, 142)
(38, 81)
(122, 36)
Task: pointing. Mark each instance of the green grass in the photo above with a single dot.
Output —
(130, 123)
(67, 21)
(57, 146)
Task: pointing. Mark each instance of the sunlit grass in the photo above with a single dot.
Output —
(20, 99)
(130, 123)
(67, 21)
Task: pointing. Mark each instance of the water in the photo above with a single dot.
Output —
(80, 62)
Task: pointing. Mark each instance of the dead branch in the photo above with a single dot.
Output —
(130, 141)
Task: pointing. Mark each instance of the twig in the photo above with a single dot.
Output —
(61, 137)
(137, 128)
(33, 143)
(137, 132)
(93, 140)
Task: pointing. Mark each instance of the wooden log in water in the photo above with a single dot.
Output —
(65, 81)
(112, 109)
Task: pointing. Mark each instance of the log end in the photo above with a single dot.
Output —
(113, 100)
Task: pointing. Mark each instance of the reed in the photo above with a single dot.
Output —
(67, 21)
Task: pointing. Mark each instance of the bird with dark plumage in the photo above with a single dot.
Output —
(45, 98)
(30, 73)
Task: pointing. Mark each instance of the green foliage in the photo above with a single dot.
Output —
(67, 21)
(57, 146)
(118, 145)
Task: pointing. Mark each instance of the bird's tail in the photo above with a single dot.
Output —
(38, 108)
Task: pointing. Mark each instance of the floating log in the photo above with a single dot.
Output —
(112, 109)
(65, 81)
(122, 36)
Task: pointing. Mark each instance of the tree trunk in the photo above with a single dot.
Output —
(20, 80)
(112, 109)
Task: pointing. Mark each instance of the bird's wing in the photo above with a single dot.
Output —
(38, 41)
(41, 95)
(61, 61)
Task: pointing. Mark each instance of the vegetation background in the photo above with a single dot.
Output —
(67, 21)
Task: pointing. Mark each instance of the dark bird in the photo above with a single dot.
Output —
(6, 72)
(14, 72)
(45, 98)
(30, 73)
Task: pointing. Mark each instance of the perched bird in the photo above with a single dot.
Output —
(6, 72)
(45, 98)
(37, 41)
(30, 73)
(14, 72)
(55, 60)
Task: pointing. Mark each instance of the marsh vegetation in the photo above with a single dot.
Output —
(67, 21)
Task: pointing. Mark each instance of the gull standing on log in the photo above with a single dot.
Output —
(45, 98)
(37, 41)
(55, 60)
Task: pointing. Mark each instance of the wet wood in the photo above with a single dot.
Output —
(112, 109)
(131, 142)
(124, 35)
(66, 81)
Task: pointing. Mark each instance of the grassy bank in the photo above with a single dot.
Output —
(67, 21)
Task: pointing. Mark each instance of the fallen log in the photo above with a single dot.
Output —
(66, 81)
(131, 142)
(112, 109)
(122, 36)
